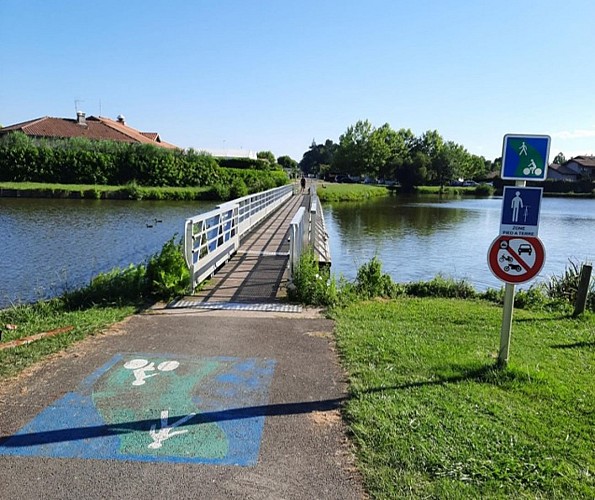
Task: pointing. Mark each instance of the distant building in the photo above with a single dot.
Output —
(93, 128)
(561, 173)
(577, 168)
(231, 153)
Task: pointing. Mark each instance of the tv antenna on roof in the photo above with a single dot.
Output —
(76, 104)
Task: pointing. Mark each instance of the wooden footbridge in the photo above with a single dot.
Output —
(242, 254)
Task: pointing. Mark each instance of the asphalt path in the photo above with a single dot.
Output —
(272, 382)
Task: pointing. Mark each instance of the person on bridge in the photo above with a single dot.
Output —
(303, 183)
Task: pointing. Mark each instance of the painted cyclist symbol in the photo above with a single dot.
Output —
(140, 367)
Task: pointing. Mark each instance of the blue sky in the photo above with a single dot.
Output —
(274, 74)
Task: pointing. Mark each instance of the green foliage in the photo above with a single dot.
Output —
(318, 157)
(167, 273)
(117, 287)
(349, 192)
(238, 188)
(267, 156)
(441, 287)
(81, 161)
(287, 163)
(243, 163)
(312, 284)
(484, 190)
(371, 282)
(565, 287)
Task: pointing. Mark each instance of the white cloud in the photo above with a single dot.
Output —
(574, 134)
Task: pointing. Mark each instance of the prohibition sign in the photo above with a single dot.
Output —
(516, 259)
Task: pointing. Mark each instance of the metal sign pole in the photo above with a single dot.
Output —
(506, 329)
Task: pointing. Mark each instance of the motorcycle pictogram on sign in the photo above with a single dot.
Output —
(516, 260)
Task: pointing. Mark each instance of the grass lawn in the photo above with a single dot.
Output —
(43, 317)
(93, 191)
(432, 418)
(328, 191)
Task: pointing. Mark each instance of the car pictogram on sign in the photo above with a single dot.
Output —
(516, 260)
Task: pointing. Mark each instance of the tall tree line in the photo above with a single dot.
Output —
(381, 152)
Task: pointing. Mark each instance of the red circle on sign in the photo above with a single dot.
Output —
(516, 259)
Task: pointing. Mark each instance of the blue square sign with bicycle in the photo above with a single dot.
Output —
(520, 211)
(525, 157)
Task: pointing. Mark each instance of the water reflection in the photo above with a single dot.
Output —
(418, 238)
(49, 245)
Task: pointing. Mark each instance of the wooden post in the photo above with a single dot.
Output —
(583, 290)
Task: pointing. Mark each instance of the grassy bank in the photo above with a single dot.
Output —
(46, 316)
(432, 418)
(348, 192)
(97, 192)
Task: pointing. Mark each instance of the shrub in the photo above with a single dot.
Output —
(312, 284)
(441, 287)
(370, 282)
(564, 288)
(118, 286)
(484, 190)
(238, 189)
(167, 273)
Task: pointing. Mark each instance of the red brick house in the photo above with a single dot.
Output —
(94, 128)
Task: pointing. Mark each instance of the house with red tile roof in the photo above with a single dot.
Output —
(94, 128)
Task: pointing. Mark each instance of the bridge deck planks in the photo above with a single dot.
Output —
(257, 272)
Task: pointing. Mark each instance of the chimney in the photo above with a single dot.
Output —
(80, 118)
(121, 119)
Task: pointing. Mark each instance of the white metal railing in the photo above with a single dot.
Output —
(210, 239)
(308, 228)
(298, 238)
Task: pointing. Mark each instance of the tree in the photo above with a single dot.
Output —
(412, 172)
(266, 155)
(355, 155)
(560, 159)
(287, 162)
(317, 156)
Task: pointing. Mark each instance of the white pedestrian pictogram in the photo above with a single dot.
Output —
(516, 204)
(166, 430)
(140, 367)
(523, 149)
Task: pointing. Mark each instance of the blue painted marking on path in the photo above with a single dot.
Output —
(163, 408)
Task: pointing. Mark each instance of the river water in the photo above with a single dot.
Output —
(417, 238)
(49, 246)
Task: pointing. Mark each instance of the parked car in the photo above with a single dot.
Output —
(470, 183)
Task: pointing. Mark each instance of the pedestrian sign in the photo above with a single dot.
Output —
(516, 260)
(520, 211)
(525, 157)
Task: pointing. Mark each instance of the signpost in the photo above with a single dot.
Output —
(517, 255)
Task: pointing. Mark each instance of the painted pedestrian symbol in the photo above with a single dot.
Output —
(166, 430)
(523, 149)
(140, 367)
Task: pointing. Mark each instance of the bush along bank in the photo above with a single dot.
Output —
(314, 285)
(131, 167)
